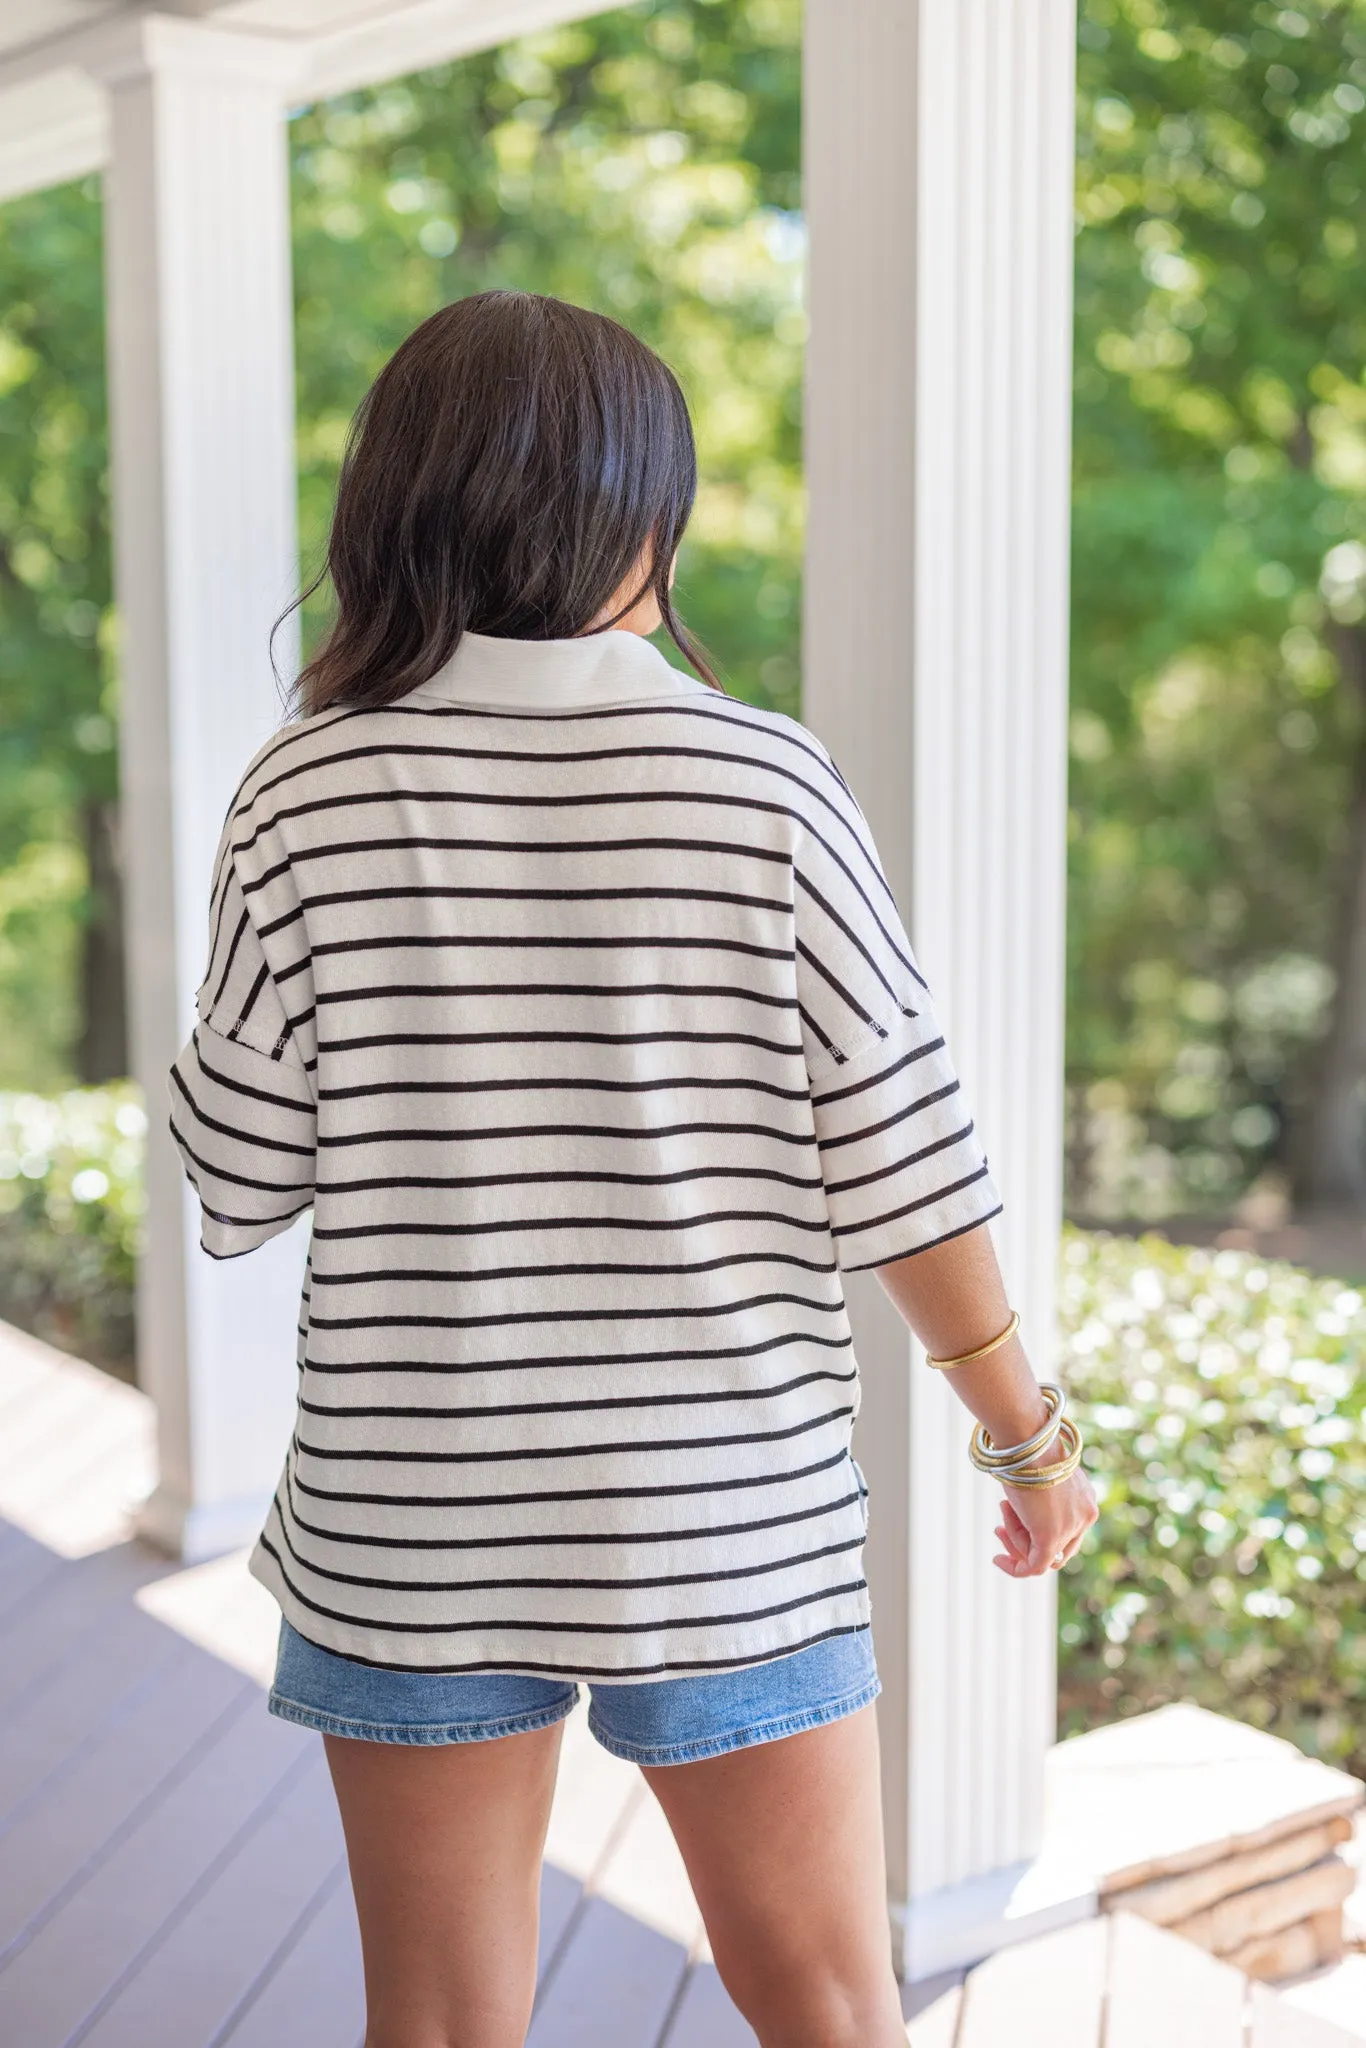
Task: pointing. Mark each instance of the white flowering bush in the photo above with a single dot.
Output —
(70, 1214)
(1222, 1398)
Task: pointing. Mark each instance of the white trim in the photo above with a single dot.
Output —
(52, 129)
(202, 457)
(408, 39)
(939, 181)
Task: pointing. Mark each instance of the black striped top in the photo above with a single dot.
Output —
(569, 995)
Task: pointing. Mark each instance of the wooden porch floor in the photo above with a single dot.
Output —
(171, 1865)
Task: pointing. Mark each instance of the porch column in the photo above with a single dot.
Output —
(939, 160)
(201, 400)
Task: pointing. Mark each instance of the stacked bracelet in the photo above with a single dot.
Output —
(1014, 1463)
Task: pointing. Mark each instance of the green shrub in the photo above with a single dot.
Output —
(1222, 1401)
(70, 1213)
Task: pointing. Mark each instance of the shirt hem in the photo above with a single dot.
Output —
(843, 1615)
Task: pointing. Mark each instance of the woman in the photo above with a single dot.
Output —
(568, 992)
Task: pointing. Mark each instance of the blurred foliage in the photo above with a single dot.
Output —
(1219, 558)
(57, 705)
(70, 1211)
(644, 163)
(1225, 1416)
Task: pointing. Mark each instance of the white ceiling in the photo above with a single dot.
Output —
(53, 120)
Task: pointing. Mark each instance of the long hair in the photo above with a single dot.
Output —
(509, 467)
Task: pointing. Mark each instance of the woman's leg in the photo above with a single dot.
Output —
(445, 1850)
(783, 1843)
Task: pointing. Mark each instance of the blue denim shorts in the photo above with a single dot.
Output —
(662, 1721)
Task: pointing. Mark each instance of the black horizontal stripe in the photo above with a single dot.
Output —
(236, 1180)
(560, 991)
(574, 1628)
(923, 1244)
(557, 762)
(510, 1225)
(572, 1177)
(450, 892)
(910, 1208)
(588, 1538)
(561, 1496)
(701, 1397)
(257, 1138)
(866, 1132)
(239, 1087)
(892, 1167)
(675, 1667)
(578, 1270)
(785, 731)
(520, 1454)
(379, 1039)
(729, 850)
(615, 1313)
(823, 1097)
(540, 1362)
(559, 800)
(469, 1134)
(568, 1083)
(767, 1568)
(614, 942)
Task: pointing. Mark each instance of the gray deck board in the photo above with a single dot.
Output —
(706, 2016)
(25, 1566)
(314, 1994)
(560, 1897)
(49, 1731)
(52, 1619)
(225, 1941)
(68, 1822)
(116, 1915)
(615, 1983)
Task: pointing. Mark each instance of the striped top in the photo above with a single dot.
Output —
(569, 994)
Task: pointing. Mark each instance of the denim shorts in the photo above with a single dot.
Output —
(662, 1721)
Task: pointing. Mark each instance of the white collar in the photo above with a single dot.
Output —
(596, 668)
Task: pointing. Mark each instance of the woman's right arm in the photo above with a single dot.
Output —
(953, 1298)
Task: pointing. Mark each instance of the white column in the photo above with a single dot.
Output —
(201, 400)
(939, 178)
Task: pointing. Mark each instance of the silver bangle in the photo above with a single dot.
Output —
(987, 1457)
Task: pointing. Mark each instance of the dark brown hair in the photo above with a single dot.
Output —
(508, 468)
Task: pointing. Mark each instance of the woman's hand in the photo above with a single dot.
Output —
(1041, 1527)
(953, 1298)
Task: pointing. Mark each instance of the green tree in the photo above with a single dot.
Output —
(61, 991)
(1219, 670)
(645, 163)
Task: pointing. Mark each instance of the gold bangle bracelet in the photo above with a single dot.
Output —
(982, 1351)
(990, 1457)
(1050, 1475)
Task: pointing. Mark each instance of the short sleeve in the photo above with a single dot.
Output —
(243, 1112)
(900, 1156)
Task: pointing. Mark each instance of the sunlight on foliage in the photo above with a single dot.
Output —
(71, 1206)
(1225, 1415)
